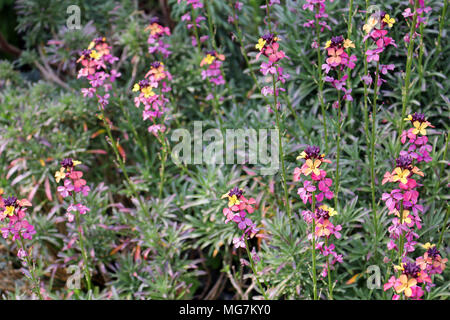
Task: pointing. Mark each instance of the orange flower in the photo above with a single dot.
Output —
(387, 177)
(154, 29)
(418, 172)
(405, 285)
(335, 55)
(322, 229)
(311, 166)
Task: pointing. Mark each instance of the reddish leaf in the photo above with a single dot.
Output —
(95, 134)
(33, 192)
(48, 192)
(97, 151)
(122, 152)
(24, 203)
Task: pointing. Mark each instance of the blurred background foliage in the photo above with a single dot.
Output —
(181, 248)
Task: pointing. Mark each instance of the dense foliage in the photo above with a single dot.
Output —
(157, 228)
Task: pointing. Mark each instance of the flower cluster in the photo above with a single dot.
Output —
(237, 211)
(94, 61)
(338, 60)
(376, 29)
(408, 281)
(72, 184)
(316, 190)
(317, 6)
(311, 167)
(237, 6)
(416, 137)
(431, 262)
(408, 14)
(403, 202)
(196, 4)
(13, 212)
(154, 103)
(417, 272)
(269, 47)
(213, 73)
(155, 40)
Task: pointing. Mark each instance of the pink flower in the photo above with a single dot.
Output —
(238, 243)
(66, 190)
(267, 68)
(393, 282)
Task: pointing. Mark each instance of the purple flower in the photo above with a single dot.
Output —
(66, 190)
(238, 242)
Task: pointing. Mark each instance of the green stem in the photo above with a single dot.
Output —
(444, 227)
(366, 89)
(268, 16)
(409, 60)
(330, 285)
(255, 80)
(214, 44)
(338, 149)
(402, 238)
(319, 71)
(441, 26)
(210, 89)
(135, 134)
(120, 162)
(372, 157)
(349, 104)
(163, 162)
(83, 250)
(252, 265)
(280, 150)
(388, 272)
(313, 249)
(421, 51)
(441, 171)
(30, 264)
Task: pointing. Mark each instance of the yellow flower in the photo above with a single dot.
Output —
(207, 60)
(399, 268)
(94, 55)
(390, 21)
(261, 43)
(136, 87)
(60, 174)
(302, 155)
(9, 211)
(427, 245)
(420, 128)
(409, 118)
(348, 44)
(76, 162)
(331, 211)
(327, 44)
(148, 92)
(406, 218)
(401, 175)
(91, 45)
(233, 200)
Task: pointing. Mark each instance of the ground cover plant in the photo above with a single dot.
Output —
(200, 149)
